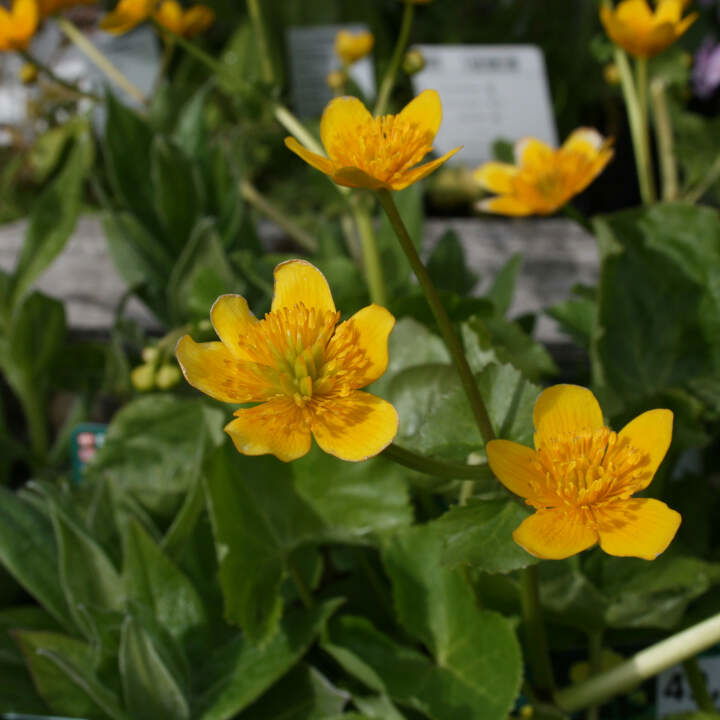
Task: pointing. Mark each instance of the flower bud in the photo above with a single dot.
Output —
(413, 62)
(28, 73)
(150, 354)
(167, 376)
(351, 47)
(611, 74)
(336, 80)
(143, 378)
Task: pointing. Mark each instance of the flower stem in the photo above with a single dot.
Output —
(191, 48)
(250, 193)
(640, 667)
(99, 59)
(56, 78)
(302, 588)
(537, 648)
(296, 128)
(705, 184)
(595, 639)
(637, 118)
(665, 142)
(451, 339)
(371, 254)
(266, 64)
(698, 685)
(643, 87)
(431, 466)
(388, 80)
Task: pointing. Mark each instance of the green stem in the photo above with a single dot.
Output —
(466, 491)
(431, 466)
(371, 254)
(266, 64)
(451, 339)
(711, 177)
(56, 78)
(643, 88)
(574, 214)
(302, 588)
(296, 129)
(698, 684)
(595, 640)
(537, 648)
(388, 80)
(250, 193)
(79, 39)
(35, 416)
(665, 141)
(645, 664)
(635, 120)
(167, 56)
(191, 48)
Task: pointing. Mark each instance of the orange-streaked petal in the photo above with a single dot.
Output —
(639, 527)
(297, 281)
(356, 427)
(338, 120)
(565, 410)
(355, 178)
(531, 152)
(421, 172)
(554, 534)
(231, 318)
(650, 432)
(370, 329)
(317, 161)
(514, 466)
(274, 428)
(425, 111)
(496, 177)
(505, 205)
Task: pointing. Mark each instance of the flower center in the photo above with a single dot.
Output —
(588, 469)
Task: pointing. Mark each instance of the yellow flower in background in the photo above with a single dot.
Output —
(187, 23)
(543, 179)
(376, 152)
(303, 368)
(351, 47)
(18, 25)
(127, 15)
(636, 28)
(581, 476)
(50, 7)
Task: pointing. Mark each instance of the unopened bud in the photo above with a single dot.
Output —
(413, 62)
(150, 354)
(167, 376)
(143, 378)
(611, 73)
(28, 73)
(336, 80)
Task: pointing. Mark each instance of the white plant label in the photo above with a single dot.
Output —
(672, 691)
(489, 93)
(312, 58)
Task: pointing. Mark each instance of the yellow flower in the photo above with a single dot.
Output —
(543, 179)
(18, 25)
(376, 152)
(581, 476)
(643, 33)
(336, 80)
(303, 368)
(187, 23)
(50, 7)
(351, 47)
(127, 15)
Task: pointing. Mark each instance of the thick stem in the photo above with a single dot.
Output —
(640, 667)
(665, 141)
(250, 193)
(454, 346)
(296, 128)
(431, 466)
(43, 68)
(543, 681)
(466, 491)
(371, 253)
(388, 80)
(266, 63)
(97, 58)
(698, 685)
(643, 88)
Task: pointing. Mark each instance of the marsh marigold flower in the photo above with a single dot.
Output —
(351, 47)
(18, 25)
(127, 15)
(581, 476)
(50, 7)
(187, 23)
(543, 179)
(303, 368)
(376, 152)
(636, 28)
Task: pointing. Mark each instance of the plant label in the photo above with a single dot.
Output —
(672, 691)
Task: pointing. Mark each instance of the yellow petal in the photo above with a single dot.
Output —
(421, 172)
(639, 527)
(530, 152)
(211, 368)
(584, 140)
(25, 14)
(356, 427)
(496, 177)
(669, 11)
(317, 161)
(231, 318)
(554, 534)
(198, 18)
(368, 329)
(514, 466)
(505, 205)
(684, 24)
(127, 15)
(425, 111)
(275, 428)
(650, 432)
(339, 119)
(297, 281)
(169, 15)
(355, 178)
(565, 410)
(634, 13)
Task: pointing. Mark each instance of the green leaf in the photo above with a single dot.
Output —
(503, 288)
(447, 265)
(479, 534)
(190, 131)
(576, 316)
(52, 220)
(150, 688)
(241, 672)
